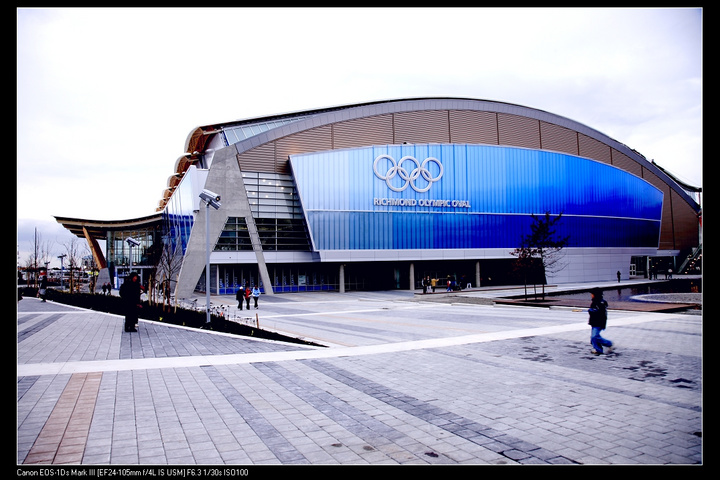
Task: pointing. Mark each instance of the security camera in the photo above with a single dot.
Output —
(209, 196)
(132, 242)
(212, 199)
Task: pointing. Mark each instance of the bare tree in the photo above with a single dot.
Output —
(39, 257)
(540, 251)
(166, 271)
(527, 265)
(74, 262)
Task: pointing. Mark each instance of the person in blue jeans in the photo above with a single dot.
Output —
(598, 322)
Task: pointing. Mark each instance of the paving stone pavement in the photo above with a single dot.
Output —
(402, 382)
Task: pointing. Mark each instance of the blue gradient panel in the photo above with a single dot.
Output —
(178, 217)
(468, 196)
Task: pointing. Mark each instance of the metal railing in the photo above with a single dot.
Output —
(221, 311)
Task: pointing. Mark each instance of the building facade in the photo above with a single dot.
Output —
(130, 245)
(382, 194)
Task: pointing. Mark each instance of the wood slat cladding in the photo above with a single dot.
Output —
(468, 126)
(425, 126)
(591, 148)
(558, 139)
(679, 223)
(456, 126)
(667, 235)
(626, 163)
(259, 159)
(653, 179)
(685, 223)
(517, 131)
(311, 140)
(363, 131)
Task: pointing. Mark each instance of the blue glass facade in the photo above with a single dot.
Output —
(458, 196)
(178, 215)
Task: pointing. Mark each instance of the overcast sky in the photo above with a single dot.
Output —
(107, 97)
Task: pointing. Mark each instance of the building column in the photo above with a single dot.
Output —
(341, 278)
(412, 277)
(477, 274)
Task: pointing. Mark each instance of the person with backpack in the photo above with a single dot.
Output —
(598, 322)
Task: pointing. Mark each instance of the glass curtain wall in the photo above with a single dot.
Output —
(292, 277)
(178, 215)
(122, 255)
(122, 258)
(281, 227)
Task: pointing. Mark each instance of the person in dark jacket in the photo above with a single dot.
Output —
(130, 292)
(42, 293)
(598, 322)
(240, 296)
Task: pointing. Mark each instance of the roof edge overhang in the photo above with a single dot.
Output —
(98, 229)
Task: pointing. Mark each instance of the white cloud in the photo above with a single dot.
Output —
(107, 96)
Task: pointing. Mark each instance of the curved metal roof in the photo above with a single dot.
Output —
(280, 125)
(308, 119)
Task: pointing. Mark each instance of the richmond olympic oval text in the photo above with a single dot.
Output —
(411, 202)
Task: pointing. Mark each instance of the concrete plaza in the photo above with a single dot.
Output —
(399, 378)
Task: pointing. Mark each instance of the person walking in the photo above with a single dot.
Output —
(130, 292)
(598, 323)
(239, 296)
(256, 295)
(42, 292)
(248, 294)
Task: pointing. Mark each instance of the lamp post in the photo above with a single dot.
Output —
(211, 200)
(131, 243)
(62, 272)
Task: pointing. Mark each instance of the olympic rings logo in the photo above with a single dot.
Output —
(420, 170)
